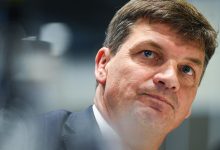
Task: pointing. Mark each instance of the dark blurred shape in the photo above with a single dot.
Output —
(12, 32)
(217, 147)
(16, 105)
(198, 130)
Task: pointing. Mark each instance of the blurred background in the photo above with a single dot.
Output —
(47, 51)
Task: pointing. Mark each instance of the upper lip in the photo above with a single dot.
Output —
(161, 98)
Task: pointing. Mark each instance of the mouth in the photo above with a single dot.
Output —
(161, 99)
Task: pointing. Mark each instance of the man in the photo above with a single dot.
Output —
(148, 72)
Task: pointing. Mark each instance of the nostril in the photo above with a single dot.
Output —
(161, 82)
(166, 85)
(174, 88)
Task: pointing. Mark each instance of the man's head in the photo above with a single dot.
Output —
(150, 67)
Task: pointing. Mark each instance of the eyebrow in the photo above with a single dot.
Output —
(151, 43)
(195, 61)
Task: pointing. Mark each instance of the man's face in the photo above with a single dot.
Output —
(152, 80)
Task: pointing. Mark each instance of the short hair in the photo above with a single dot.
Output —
(182, 16)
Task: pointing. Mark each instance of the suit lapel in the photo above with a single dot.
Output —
(81, 132)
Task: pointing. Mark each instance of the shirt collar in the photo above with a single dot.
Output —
(108, 133)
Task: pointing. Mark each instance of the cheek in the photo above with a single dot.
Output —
(186, 98)
(121, 86)
(190, 94)
(123, 82)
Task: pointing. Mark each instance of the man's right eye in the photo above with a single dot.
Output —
(149, 54)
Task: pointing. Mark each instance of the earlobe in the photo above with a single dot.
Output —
(101, 60)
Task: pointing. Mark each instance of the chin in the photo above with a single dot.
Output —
(150, 118)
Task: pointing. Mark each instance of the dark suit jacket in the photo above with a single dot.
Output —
(63, 130)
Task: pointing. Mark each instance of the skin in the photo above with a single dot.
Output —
(147, 88)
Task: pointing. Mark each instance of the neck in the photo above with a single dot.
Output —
(100, 103)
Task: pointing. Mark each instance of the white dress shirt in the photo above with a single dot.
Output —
(110, 136)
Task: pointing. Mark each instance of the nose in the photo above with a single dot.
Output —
(167, 77)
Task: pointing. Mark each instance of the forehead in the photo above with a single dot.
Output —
(165, 29)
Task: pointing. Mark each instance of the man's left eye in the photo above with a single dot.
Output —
(149, 54)
(187, 70)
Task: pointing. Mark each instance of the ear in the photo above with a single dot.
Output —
(101, 60)
(189, 113)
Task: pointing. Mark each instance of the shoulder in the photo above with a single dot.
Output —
(55, 117)
(48, 127)
(59, 129)
(51, 123)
